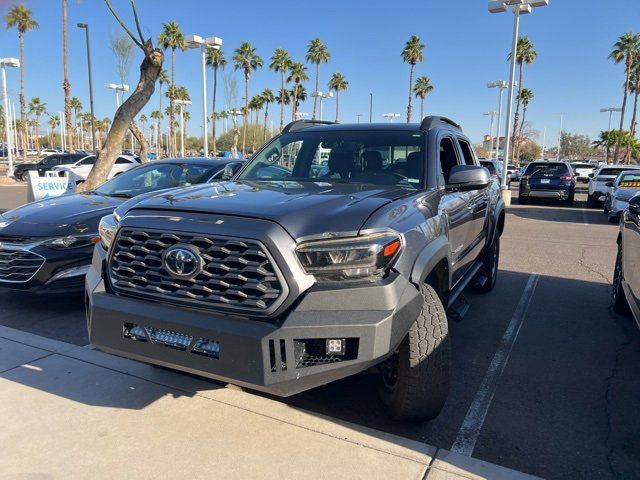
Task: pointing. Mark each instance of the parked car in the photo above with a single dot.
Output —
(598, 184)
(46, 164)
(284, 284)
(494, 167)
(547, 181)
(46, 246)
(620, 192)
(582, 171)
(626, 277)
(82, 167)
(45, 152)
(513, 173)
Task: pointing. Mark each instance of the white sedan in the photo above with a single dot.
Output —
(82, 167)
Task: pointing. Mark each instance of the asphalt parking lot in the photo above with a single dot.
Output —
(565, 403)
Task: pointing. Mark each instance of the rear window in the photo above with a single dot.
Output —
(581, 165)
(629, 180)
(546, 169)
(489, 166)
(612, 172)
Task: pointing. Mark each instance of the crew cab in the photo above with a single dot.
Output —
(82, 167)
(285, 282)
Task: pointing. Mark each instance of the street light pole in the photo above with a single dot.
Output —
(500, 85)
(560, 136)
(518, 7)
(391, 116)
(370, 107)
(610, 110)
(93, 128)
(492, 115)
(11, 62)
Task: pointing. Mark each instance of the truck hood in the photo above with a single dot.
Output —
(302, 208)
(63, 215)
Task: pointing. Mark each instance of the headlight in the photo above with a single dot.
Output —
(367, 256)
(72, 241)
(107, 229)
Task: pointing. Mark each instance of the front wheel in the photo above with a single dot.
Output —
(618, 299)
(415, 380)
(591, 203)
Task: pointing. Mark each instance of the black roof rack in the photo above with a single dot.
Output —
(431, 121)
(300, 124)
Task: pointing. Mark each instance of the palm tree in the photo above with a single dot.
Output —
(66, 86)
(422, 88)
(143, 121)
(525, 98)
(317, 53)
(37, 109)
(281, 62)
(246, 59)
(256, 104)
(268, 97)
(625, 49)
(53, 122)
(297, 75)
(300, 96)
(157, 116)
(412, 54)
(525, 54)
(162, 80)
(173, 38)
(607, 139)
(338, 83)
(20, 17)
(76, 106)
(634, 87)
(215, 59)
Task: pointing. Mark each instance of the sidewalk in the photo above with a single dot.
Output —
(74, 412)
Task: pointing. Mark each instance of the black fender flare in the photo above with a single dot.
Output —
(493, 225)
(430, 256)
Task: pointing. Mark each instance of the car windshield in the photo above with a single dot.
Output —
(152, 177)
(547, 169)
(629, 180)
(358, 157)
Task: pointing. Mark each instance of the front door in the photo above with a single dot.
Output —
(631, 254)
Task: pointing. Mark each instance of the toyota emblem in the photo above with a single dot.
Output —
(182, 262)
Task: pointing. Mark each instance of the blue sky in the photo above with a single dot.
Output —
(465, 48)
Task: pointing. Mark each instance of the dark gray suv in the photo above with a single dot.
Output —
(336, 249)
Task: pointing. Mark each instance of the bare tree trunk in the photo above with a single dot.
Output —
(23, 100)
(213, 111)
(315, 98)
(144, 145)
(635, 108)
(624, 108)
(410, 88)
(149, 72)
(65, 83)
(516, 119)
(421, 108)
(246, 114)
(172, 112)
(266, 119)
(282, 97)
(337, 106)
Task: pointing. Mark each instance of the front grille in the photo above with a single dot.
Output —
(19, 266)
(237, 274)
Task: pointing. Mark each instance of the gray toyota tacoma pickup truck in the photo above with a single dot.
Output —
(335, 249)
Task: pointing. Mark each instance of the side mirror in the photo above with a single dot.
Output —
(609, 184)
(230, 170)
(634, 204)
(468, 177)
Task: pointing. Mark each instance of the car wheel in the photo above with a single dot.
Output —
(605, 208)
(415, 380)
(618, 299)
(490, 261)
(591, 203)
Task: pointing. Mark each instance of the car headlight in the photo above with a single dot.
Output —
(107, 230)
(366, 256)
(72, 241)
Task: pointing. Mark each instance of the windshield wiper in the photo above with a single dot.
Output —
(117, 195)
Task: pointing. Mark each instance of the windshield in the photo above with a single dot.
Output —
(629, 180)
(547, 169)
(151, 177)
(358, 157)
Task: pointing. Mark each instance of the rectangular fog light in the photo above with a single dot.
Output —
(335, 346)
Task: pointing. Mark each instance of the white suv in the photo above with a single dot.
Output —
(598, 184)
(82, 167)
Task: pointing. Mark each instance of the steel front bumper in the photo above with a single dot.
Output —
(278, 356)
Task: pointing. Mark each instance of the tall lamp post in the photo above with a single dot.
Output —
(493, 115)
(610, 110)
(9, 62)
(501, 85)
(391, 116)
(119, 88)
(93, 128)
(322, 96)
(182, 103)
(519, 7)
(196, 41)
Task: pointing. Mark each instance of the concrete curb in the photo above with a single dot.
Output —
(433, 463)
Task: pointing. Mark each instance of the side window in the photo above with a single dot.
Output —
(88, 161)
(121, 161)
(448, 157)
(467, 153)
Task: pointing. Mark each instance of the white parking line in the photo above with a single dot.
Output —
(472, 425)
(584, 217)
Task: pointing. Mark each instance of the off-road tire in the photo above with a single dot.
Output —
(490, 261)
(423, 363)
(618, 299)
